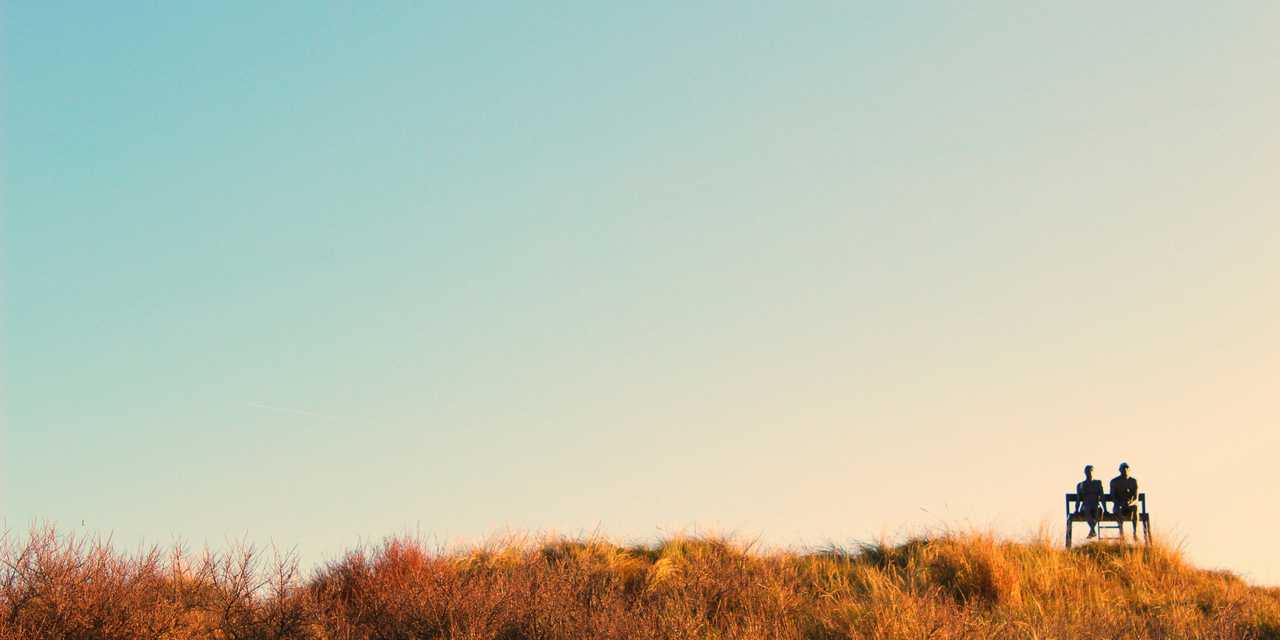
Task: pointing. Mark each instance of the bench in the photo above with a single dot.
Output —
(1139, 515)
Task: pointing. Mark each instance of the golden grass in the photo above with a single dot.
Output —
(947, 586)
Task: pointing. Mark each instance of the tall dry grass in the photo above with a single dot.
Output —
(948, 586)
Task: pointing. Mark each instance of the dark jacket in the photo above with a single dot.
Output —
(1124, 491)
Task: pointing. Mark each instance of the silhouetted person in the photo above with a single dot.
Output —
(1089, 499)
(1124, 495)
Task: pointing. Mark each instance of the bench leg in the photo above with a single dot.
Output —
(1146, 531)
(1068, 534)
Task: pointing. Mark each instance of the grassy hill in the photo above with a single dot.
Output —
(949, 586)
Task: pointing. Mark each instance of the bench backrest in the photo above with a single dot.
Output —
(1073, 498)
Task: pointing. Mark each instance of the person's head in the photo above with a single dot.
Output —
(1088, 472)
(1124, 469)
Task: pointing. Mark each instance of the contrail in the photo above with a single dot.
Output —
(299, 412)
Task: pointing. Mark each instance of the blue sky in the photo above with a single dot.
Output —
(808, 272)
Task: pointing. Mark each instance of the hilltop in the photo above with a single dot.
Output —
(946, 586)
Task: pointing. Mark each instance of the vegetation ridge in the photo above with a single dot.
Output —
(953, 585)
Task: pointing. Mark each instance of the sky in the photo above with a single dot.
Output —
(314, 274)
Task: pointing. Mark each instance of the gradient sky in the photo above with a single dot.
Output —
(316, 275)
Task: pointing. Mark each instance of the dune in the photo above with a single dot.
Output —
(952, 585)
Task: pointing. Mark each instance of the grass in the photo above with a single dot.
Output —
(968, 585)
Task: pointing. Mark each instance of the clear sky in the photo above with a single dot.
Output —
(314, 275)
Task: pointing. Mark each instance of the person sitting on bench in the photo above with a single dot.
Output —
(1089, 494)
(1124, 496)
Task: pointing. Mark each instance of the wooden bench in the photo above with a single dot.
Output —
(1139, 515)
